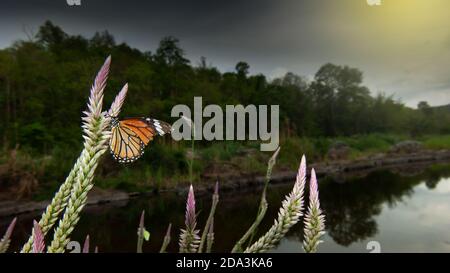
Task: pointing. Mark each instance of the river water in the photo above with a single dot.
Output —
(389, 211)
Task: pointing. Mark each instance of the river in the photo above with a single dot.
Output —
(403, 210)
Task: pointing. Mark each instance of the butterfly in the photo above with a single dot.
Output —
(130, 136)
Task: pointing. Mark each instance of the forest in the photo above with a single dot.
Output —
(45, 79)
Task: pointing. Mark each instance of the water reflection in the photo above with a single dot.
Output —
(404, 213)
(350, 208)
(355, 210)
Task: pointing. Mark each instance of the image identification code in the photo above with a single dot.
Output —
(205, 264)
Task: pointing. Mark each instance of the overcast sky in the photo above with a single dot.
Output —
(402, 46)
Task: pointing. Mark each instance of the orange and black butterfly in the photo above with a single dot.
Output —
(131, 135)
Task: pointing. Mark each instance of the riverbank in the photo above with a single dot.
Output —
(338, 170)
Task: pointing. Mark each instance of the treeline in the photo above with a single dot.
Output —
(44, 83)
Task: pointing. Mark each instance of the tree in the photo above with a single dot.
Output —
(169, 53)
(173, 70)
(291, 93)
(242, 69)
(6, 66)
(291, 79)
(50, 35)
(340, 99)
(103, 40)
(42, 84)
(425, 108)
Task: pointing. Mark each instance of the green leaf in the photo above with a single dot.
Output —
(146, 235)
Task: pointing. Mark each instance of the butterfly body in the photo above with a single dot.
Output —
(130, 136)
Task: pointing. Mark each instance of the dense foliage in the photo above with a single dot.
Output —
(44, 82)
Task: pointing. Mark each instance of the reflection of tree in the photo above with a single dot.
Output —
(432, 182)
(350, 207)
(349, 218)
(434, 174)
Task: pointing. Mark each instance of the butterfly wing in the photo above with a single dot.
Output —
(125, 145)
(140, 128)
(131, 135)
(160, 126)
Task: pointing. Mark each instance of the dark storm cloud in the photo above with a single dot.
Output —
(218, 27)
(143, 21)
(210, 28)
(403, 46)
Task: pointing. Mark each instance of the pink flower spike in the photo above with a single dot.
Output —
(114, 111)
(313, 189)
(301, 175)
(190, 210)
(86, 245)
(96, 97)
(314, 218)
(102, 76)
(38, 244)
(10, 229)
(300, 182)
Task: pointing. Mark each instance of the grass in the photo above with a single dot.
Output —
(317, 148)
(436, 142)
(373, 142)
(366, 145)
(223, 151)
(164, 165)
(295, 147)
